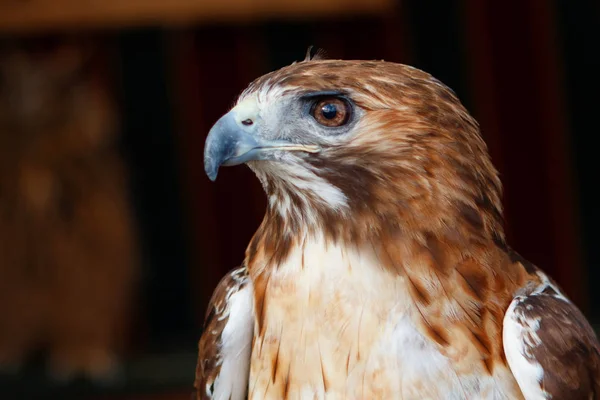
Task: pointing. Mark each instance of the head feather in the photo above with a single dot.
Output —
(415, 163)
(320, 54)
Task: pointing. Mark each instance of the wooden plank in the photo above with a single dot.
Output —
(49, 15)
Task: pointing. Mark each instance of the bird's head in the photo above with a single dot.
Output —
(353, 147)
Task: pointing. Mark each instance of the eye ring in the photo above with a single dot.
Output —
(331, 112)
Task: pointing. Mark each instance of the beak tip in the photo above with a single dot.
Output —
(211, 170)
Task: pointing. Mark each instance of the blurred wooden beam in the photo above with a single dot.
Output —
(21, 16)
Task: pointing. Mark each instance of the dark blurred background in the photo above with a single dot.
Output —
(166, 71)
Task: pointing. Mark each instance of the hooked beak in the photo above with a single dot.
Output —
(233, 140)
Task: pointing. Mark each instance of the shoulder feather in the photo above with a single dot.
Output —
(550, 347)
(224, 348)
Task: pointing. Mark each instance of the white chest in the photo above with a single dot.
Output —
(338, 326)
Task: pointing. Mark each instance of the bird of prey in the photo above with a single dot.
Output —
(380, 270)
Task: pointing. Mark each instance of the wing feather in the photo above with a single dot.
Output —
(224, 349)
(551, 348)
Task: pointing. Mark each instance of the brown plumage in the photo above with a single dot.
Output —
(403, 195)
(570, 353)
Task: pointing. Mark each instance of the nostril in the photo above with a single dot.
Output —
(247, 122)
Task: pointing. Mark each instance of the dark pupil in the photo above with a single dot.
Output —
(329, 111)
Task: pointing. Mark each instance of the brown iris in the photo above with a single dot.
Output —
(331, 112)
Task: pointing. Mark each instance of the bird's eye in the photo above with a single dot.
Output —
(331, 112)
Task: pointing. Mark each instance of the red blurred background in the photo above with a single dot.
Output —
(525, 69)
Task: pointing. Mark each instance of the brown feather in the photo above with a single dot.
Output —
(570, 354)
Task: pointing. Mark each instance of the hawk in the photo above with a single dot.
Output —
(380, 270)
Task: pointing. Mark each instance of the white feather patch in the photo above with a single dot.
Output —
(520, 337)
(308, 187)
(236, 343)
